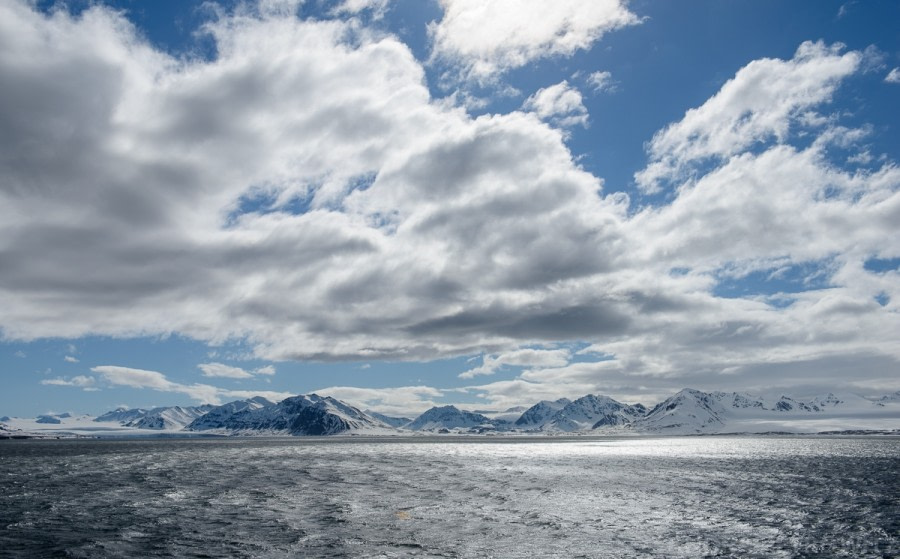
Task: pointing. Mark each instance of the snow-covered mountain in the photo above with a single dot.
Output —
(389, 420)
(540, 413)
(217, 416)
(507, 416)
(584, 414)
(688, 411)
(168, 418)
(450, 418)
(121, 415)
(692, 411)
(592, 412)
(309, 414)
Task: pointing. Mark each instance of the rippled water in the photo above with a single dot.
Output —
(639, 497)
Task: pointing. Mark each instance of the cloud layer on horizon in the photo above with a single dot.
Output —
(305, 192)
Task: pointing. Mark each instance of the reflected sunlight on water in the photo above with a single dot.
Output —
(590, 497)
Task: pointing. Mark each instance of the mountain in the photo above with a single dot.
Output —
(688, 411)
(692, 412)
(449, 418)
(48, 419)
(585, 413)
(122, 415)
(168, 418)
(217, 416)
(389, 420)
(506, 417)
(540, 413)
(303, 415)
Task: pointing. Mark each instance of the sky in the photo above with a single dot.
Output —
(407, 203)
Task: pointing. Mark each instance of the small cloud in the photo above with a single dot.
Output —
(20, 354)
(70, 359)
(365, 366)
(862, 158)
(353, 7)
(267, 370)
(560, 104)
(601, 82)
(893, 76)
(71, 348)
(80, 381)
(223, 371)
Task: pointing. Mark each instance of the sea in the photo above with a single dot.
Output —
(705, 496)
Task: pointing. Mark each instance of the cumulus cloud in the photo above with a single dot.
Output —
(70, 359)
(560, 104)
(893, 76)
(762, 102)
(483, 39)
(304, 193)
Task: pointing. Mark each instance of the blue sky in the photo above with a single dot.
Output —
(403, 203)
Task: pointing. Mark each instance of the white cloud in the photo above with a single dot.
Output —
(70, 359)
(526, 357)
(223, 371)
(80, 381)
(424, 232)
(203, 393)
(893, 76)
(601, 81)
(267, 370)
(376, 7)
(759, 104)
(560, 104)
(486, 38)
(401, 401)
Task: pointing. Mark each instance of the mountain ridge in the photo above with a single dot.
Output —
(689, 411)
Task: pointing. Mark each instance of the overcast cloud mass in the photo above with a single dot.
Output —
(304, 190)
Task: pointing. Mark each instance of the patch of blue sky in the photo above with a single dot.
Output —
(178, 358)
(642, 57)
(882, 265)
(172, 26)
(775, 284)
(262, 200)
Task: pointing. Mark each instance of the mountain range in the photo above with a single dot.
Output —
(687, 412)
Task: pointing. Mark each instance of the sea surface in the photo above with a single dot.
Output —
(452, 497)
